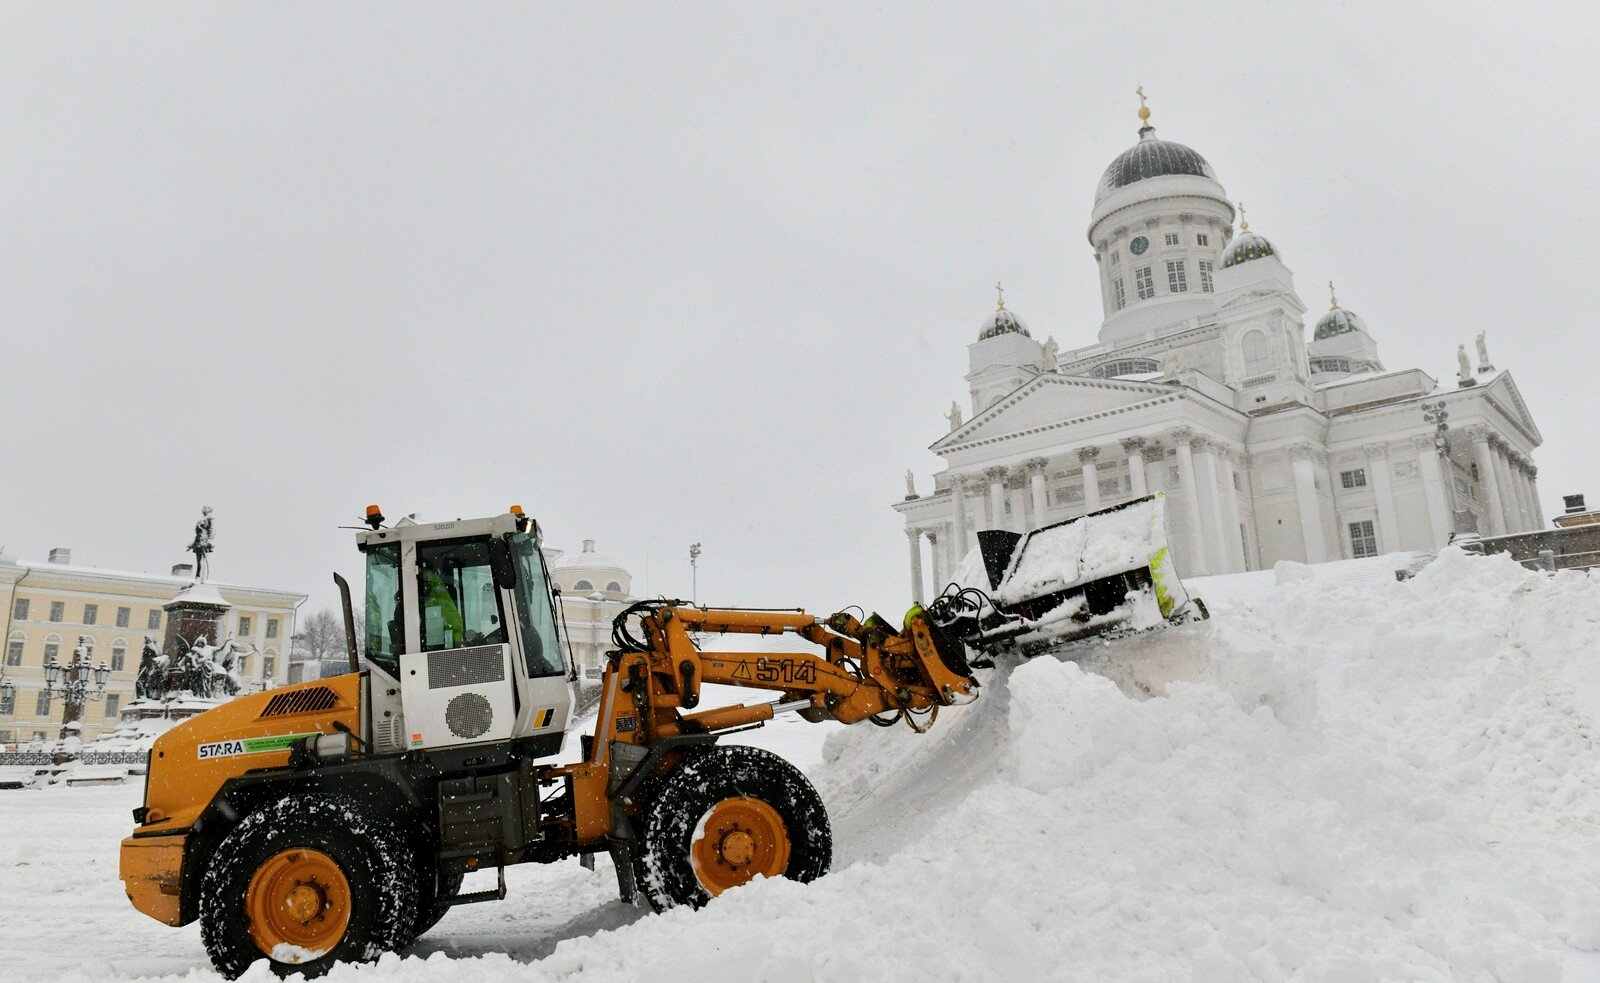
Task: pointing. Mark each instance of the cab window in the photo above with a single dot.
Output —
(456, 594)
(386, 627)
(537, 620)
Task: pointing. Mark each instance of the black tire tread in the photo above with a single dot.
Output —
(665, 877)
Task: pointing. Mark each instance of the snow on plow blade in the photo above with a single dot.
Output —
(1107, 571)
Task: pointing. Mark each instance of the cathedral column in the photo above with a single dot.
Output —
(914, 538)
(1194, 551)
(936, 560)
(1434, 496)
(1133, 447)
(1230, 503)
(1533, 496)
(1305, 491)
(1511, 473)
(997, 496)
(958, 496)
(1091, 477)
(1493, 506)
(1383, 492)
(1211, 528)
(1519, 477)
(1041, 498)
(1511, 506)
(1154, 457)
(1016, 488)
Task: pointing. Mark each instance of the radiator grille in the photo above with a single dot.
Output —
(391, 734)
(466, 667)
(301, 701)
(468, 715)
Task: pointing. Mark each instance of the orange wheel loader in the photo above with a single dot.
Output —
(335, 820)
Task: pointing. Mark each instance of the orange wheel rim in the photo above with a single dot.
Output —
(738, 839)
(297, 898)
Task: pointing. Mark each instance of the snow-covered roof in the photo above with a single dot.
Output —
(589, 559)
(80, 570)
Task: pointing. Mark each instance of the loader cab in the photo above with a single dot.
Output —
(461, 637)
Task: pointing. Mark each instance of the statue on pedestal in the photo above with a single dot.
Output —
(911, 484)
(201, 547)
(1484, 365)
(152, 667)
(1464, 377)
(1050, 351)
(954, 416)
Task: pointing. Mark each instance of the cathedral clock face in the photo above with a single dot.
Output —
(1139, 245)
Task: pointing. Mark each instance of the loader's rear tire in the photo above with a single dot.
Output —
(724, 817)
(306, 882)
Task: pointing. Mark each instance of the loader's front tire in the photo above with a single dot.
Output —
(725, 817)
(306, 882)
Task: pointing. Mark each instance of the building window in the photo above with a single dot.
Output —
(123, 614)
(1145, 282)
(1205, 276)
(8, 704)
(14, 652)
(1172, 238)
(272, 627)
(1124, 366)
(51, 651)
(41, 704)
(583, 585)
(1356, 478)
(38, 735)
(19, 610)
(155, 619)
(1363, 542)
(1116, 258)
(1177, 278)
(91, 613)
(244, 666)
(113, 704)
(244, 625)
(5, 737)
(269, 666)
(1257, 354)
(58, 610)
(1201, 239)
(1122, 295)
(119, 656)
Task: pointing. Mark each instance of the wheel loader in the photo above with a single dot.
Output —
(336, 819)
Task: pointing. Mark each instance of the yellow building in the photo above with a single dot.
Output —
(48, 606)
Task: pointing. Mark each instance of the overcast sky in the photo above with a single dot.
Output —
(674, 273)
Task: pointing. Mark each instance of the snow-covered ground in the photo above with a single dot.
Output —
(1338, 777)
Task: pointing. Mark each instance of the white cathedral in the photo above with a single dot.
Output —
(1203, 386)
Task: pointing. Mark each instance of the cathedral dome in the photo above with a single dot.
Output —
(1337, 322)
(1002, 321)
(1246, 245)
(1150, 158)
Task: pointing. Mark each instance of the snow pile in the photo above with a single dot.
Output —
(1373, 780)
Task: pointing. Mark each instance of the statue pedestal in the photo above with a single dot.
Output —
(194, 614)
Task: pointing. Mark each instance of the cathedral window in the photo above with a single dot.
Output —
(1201, 239)
(1363, 541)
(1145, 282)
(1172, 238)
(1124, 366)
(1257, 354)
(1177, 277)
(1355, 478)
(1116, 258)
(1205, 273)
(1122, 295)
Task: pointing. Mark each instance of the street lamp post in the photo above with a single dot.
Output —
(694, 570)
(1436, 414)
(75, 683)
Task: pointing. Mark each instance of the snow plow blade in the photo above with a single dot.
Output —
(1106, 572)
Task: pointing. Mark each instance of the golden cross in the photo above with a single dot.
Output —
(1140, 93)
(1332, 295)
(1244, 225)
(1002, 292)
(1144, 111)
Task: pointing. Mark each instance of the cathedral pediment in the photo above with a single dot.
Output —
(1051, 399)
(1504, 393)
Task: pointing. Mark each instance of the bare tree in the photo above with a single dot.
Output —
(321, 641)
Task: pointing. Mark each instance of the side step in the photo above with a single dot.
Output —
(476, 897)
